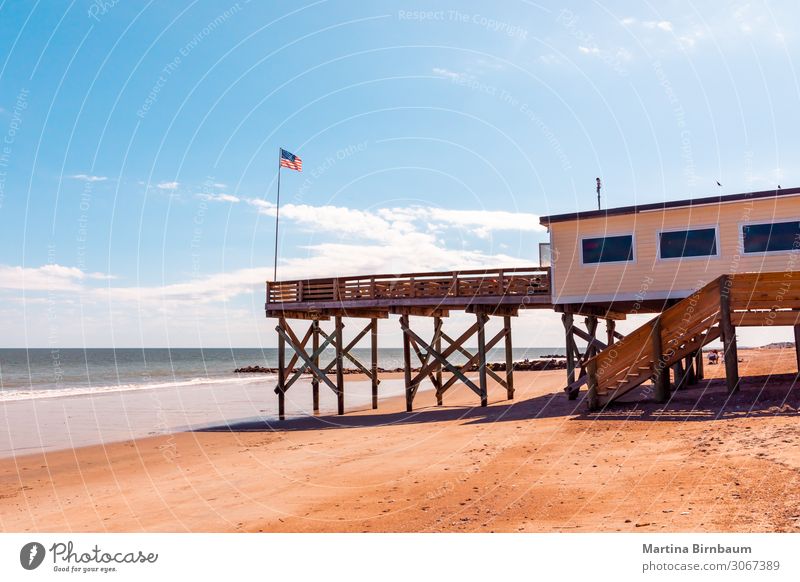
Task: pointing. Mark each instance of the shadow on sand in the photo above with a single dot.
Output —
(759, 396)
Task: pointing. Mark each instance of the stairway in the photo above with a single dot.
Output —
(711, 312)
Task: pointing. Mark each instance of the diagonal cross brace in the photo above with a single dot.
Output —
(346, 352)
(425, 370)
(424, 359)
(442, 359)
(309, 361)
(474, 358)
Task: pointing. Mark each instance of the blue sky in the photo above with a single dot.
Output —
(139, 144)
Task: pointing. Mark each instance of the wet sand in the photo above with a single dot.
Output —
(704, 462)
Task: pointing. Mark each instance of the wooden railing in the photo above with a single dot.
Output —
(467, 284)
(752, 299)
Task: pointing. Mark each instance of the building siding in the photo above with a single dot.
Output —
(647, 276)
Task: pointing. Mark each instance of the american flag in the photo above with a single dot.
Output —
(291, 161)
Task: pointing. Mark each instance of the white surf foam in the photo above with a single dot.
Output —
(61, 392)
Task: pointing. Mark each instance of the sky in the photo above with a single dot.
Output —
(139, 145)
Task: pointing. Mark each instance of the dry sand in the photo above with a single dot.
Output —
(540, 463)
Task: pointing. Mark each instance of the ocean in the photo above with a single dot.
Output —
(54, 399)
(47, 373)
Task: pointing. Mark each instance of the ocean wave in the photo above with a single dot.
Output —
(61, 392)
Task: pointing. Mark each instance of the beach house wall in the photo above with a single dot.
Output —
(668, 250)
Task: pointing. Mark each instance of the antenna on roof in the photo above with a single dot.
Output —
(599, 185)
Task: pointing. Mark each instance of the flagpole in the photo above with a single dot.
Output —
(277, 215)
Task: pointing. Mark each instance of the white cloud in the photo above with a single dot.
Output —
(220, 198)
(168, 185)
(589, 50)
(88, 178)
(664, 25)
(448, 74)
(386, 224)
(219, 185)
(51, 277)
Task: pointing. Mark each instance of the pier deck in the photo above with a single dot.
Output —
(484, 293)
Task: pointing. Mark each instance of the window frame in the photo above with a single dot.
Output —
(745, 253)
(717, 241)
(609, 235)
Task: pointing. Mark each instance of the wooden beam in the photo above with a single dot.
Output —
(688, 369)
(289, 336)
(587, 337)
(497, 310)
(446, 353)
(356, 312)
(611, 326)
(374, 361)
(423, 360)
(459, 348)
(592, 342)
(442, 358)
(296, 314)
(281, 371)
(509, 349)
(346, 352)
(437, 345)
(730, 351)
(472, 359)
(407, 362)
(765, 318)
(482, 359)
(660, 370)
(315, 358)
(420, 311)
(592, 398)
(699, 374)
(339, 366)
(293, 360)
(569, 340)
(679, 375)
(592, 311)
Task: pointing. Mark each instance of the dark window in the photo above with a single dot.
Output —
(765, 238)
(701, 242)
(608, 249)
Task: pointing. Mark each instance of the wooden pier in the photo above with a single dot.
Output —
(483, 293)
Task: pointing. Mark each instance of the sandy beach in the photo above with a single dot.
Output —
(538, 464)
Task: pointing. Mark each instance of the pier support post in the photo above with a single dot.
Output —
(699, 374)
(509, 349)
(567, 320)
(339, 365)
(374, 362)
(591, 328)
(592, 398)
(730, 351)
(797, 345)
(611, 328)
(678, 375)
(688, 370)
(281, 372)
(660, 370)
(407, 363)
(482, 359)
(437, 345)
(315, 358)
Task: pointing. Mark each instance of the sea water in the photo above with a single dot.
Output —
(64, 398)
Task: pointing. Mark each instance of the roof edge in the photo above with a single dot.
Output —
(666, 205)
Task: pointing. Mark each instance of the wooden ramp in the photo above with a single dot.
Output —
(674, 339)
